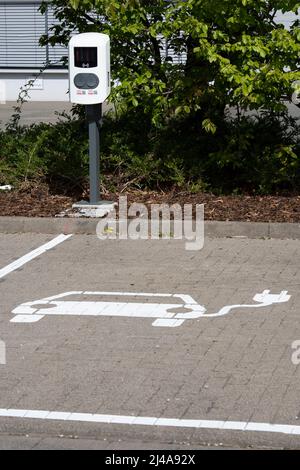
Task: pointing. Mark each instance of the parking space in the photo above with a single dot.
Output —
(34, 112)
(94, 337)
(13, 246)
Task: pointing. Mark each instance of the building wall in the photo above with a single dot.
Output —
(50, 86)
(54, 88)
(285, 19)
(21, 57)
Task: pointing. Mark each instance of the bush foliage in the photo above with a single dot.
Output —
(232, 53)
(253, 154)
(171, 125)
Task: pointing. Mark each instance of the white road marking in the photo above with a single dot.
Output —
(30, 312)
(33, 254)
(290, 429)
(265, 299)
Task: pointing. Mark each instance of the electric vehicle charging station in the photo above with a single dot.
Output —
(90, 85)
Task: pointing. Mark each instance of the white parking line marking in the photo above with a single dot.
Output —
(33, 254)
(151, 421)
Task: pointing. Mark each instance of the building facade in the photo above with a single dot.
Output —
(21, 56)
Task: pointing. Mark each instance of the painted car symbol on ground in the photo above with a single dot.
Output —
(166, 314)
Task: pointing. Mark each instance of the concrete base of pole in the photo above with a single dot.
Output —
(100, 209)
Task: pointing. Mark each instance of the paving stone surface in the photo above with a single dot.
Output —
(236, 367)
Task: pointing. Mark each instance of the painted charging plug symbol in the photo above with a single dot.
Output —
(166, 314)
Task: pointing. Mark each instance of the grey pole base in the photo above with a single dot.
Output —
(100, 209)
(100, 203)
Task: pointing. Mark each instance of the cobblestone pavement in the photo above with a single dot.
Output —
(237, 367)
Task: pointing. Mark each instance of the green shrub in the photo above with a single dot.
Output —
(55, 153)
(257, 154)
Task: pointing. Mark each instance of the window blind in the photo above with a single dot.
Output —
(21, 26)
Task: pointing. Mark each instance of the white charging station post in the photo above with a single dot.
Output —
(89, 76)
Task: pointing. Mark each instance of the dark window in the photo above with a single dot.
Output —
(86, 57)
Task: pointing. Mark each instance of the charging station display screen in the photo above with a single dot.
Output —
(85, 57)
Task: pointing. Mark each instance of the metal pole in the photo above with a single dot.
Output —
(93, 113)
(94, 149)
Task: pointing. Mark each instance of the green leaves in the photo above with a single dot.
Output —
(234, 44)
(74, 3)
(209, 126)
